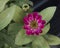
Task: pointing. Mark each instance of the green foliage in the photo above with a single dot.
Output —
(22, 38)
(48, 13)
(9, 41)
(6, 46)
(2, 4)
(21, 2)
(13, 29)
(6, 39)
(23, 47)
(14, 36)
(40, 42)
(46, 29)
(1, 43)
(7, 16)
(18, 16)
(52, 40)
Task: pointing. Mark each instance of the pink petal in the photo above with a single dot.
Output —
(32, 33)
(38, 17)
(36, 33)
(35, 14)
(26, 27)
(26, 20)
(28, 32)
(30, 17)
(43, 21)
(42, 26)
(39, 21)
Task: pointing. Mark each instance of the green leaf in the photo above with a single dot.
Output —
(2, 4)
(52, 40)
(2, 34)
(40, 42)
(6, 16)
(30, 3)
(6, 46)
(18, 16)
(22, 38)
(48, 13)
(21, 2)
(23, 47)
(13, 29)
(8, 40)
(1, 43)
(46, 29)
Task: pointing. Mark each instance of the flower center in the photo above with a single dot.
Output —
(34, 24)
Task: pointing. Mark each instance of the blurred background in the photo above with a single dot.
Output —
(55, 22)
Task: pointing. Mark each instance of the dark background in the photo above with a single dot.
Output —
(55, 21)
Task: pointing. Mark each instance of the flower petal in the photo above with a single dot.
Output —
(43, 21)
(35, 14)
(42, 26)
(30, 17)
(26, 20)
(26, 27)
(28, 32)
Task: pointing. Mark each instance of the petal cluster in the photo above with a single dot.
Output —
(33, 23)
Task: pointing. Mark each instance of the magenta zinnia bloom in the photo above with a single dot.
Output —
(33, 24)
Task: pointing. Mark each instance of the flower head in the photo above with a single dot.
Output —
(33, 24)
(25, 7)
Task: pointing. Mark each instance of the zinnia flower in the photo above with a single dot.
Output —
(33, 23)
